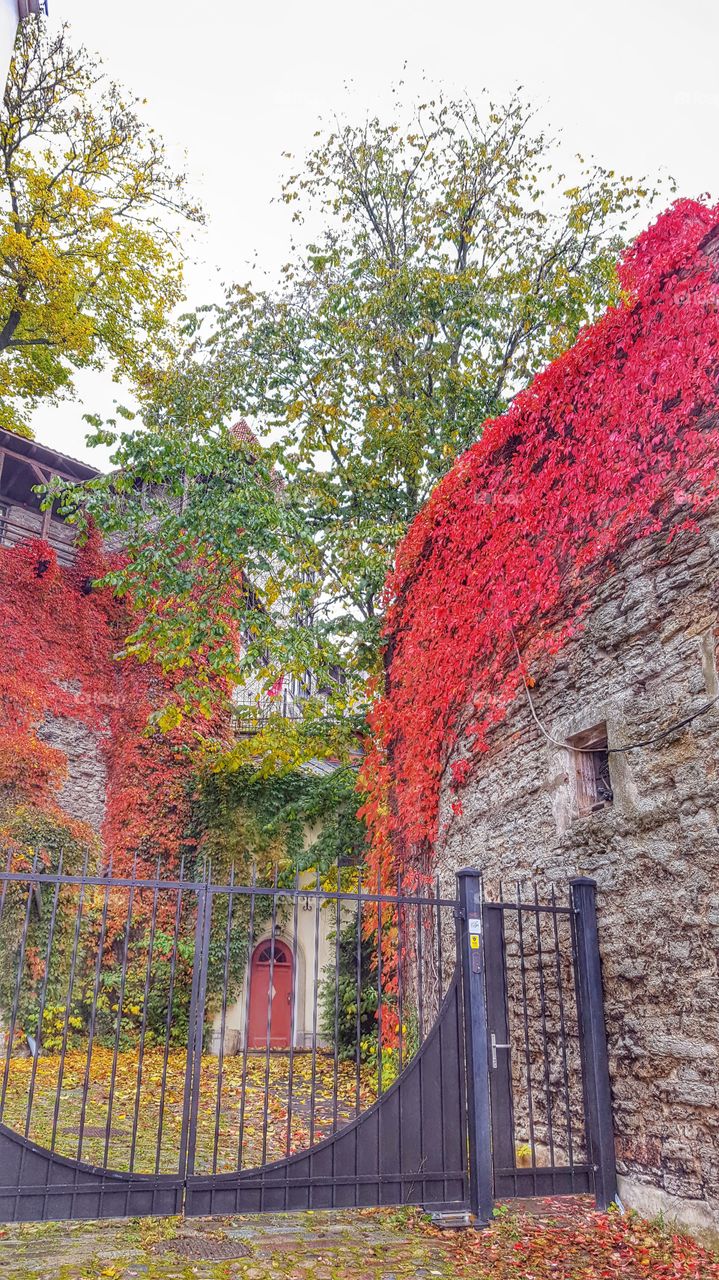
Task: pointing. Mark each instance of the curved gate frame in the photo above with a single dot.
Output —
(438, 1136)
(409, 1147)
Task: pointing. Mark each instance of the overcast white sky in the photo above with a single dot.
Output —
(635, 84)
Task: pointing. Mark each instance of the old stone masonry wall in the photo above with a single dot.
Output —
(647, 658)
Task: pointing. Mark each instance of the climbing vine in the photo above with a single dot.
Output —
(61, 636)
(614, 441)
(58, 661)
(294, 821)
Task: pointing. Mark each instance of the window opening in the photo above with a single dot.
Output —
(591, 768)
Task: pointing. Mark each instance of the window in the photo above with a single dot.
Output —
(590, 756)
(265, 955)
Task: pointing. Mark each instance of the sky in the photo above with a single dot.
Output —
(231, 87)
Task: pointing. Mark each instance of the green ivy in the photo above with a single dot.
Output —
(242, 818)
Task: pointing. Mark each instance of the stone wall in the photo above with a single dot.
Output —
(83, 795)
(647, 658)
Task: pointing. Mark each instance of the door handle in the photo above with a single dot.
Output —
(494, 1048)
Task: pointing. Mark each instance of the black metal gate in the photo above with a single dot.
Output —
(535, 1016)
(187, 1046)
(134, 1079)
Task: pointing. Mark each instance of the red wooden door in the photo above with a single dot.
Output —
(279, 1000)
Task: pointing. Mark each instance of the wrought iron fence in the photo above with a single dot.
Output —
(180, 1044)
(178, 1028)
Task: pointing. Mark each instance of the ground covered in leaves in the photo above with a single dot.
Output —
(545, 1240)
(243, 1105)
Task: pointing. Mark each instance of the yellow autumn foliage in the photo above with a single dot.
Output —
(89, 269)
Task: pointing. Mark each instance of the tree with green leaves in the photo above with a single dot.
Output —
(450, 261)
(90, 269)
(215, 564)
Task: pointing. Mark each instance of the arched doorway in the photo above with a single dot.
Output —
(278, 999)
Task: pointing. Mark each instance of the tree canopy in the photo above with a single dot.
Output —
(451, 260)
(89, 214)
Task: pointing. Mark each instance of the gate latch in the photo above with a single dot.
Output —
(495, 1047)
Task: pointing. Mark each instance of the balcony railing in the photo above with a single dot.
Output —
(250, 715)
(14, 531)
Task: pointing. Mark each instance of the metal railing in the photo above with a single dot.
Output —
(179, 1029)
(182, 1044)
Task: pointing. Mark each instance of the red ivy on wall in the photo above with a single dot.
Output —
(60, 636)
(614, 441)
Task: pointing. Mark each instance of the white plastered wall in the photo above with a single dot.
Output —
(309, 933)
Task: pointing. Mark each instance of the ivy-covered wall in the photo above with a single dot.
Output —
(75, 751)
(571, 558)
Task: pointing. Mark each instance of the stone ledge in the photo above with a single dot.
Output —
(695, 1216)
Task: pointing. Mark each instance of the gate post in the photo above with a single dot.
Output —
(593, 1038)
(481, 1189)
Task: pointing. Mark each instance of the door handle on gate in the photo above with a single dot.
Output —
(495, 1047)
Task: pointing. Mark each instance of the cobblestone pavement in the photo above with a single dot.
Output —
(311, 1246)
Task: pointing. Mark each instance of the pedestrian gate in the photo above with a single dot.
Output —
(417, 1049)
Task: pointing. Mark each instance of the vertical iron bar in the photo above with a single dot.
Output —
(545, 1040)
(199, 1021)
(527, 1050)
(143, 1024)
(18, 986)
(200, 902)
(168, 1022)
(593, 1038)
(358, 1044)
(315, 971)
(223, 1018)
(358, 1028)
(293, 1029)
(5, 883)
(68, 1006)
(420, 973)
(118, 1029)
(41, 1003)
(268, 1033)
(469, 887)
(250, 949)
(379, 991)
(443, 1126)
(19, 1174)
(337, 1016)
(91, 1025)
(563, 1033)
(440, 954)
(400, 973)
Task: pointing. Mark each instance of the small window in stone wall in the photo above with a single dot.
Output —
(590, 756)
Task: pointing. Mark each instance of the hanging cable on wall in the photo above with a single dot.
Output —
(631, 746)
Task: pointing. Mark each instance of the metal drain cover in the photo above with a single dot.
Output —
(201, 1248)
